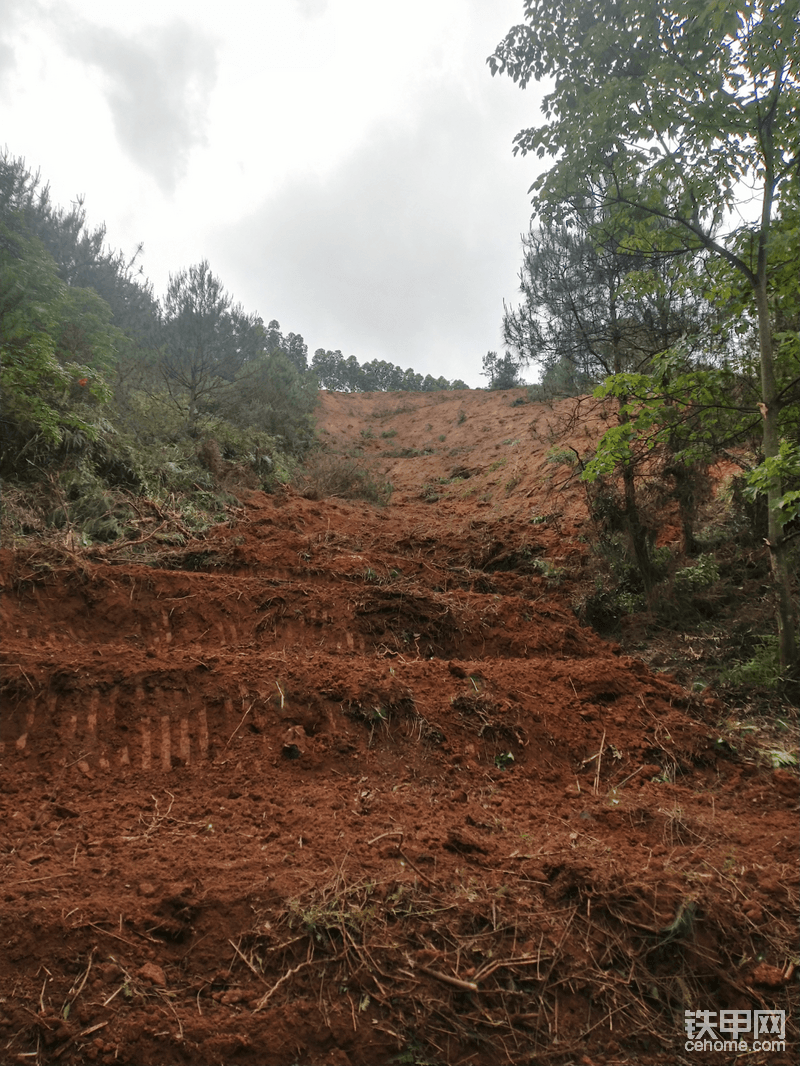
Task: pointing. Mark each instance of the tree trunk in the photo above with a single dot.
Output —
(684, 492)
(633, 521)
(779, 561)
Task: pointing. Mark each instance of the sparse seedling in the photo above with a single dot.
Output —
(562, 456)
(779, 758)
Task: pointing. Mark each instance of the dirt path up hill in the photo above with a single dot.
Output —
(341, 784)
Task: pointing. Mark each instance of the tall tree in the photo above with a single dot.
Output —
(292, 346)
(593, 308)
(209, 342)
(329, 370)
(81, 254)
(678, 113)
(501, 370)
(56, 347)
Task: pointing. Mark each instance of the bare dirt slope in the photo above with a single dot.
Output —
(338, 784)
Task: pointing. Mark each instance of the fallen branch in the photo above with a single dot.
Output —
(247, 962)
(456, 982)
(289, 973)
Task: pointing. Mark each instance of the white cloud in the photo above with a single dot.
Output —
(311, 8)
(157, 84)
(13, 13)
(402, 253)
(344, 165)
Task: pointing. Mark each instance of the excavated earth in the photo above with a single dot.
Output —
(347, 784)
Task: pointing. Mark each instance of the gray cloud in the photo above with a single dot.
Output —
(157, 85)
(13, 13)
(7, 60)
(404, 253)
(311, 9)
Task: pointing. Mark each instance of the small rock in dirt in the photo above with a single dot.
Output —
(754, 912)
(294, 742)
(147, 889)
(767, 882)
(64, 812)
(151, 972)
(460, 841)
(787, 784)
(767, 976)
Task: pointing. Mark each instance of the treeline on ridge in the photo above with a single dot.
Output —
(338, 374)
(110, 393)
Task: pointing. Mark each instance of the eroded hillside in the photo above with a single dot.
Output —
(343, 784)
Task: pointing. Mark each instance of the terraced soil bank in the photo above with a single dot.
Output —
(342, 784)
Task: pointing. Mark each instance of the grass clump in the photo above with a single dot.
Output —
(325, 474)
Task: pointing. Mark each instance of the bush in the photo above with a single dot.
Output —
(328, 474)
(605, 608)
(702, 575)
(763, 669)
(562, 456)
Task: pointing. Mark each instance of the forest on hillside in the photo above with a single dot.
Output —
(111, 393)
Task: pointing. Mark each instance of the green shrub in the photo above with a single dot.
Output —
(762, 670)
(562, 456)
(701, 575)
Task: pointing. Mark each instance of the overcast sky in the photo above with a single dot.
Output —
(345, 165)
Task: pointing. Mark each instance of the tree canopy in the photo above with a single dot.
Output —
(340, 374)
(502, 370)
(680, 120)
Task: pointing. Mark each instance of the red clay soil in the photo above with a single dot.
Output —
(340, 784)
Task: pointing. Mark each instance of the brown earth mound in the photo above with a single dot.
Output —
(339, 784)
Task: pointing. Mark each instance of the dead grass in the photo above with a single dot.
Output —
(325, 474)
